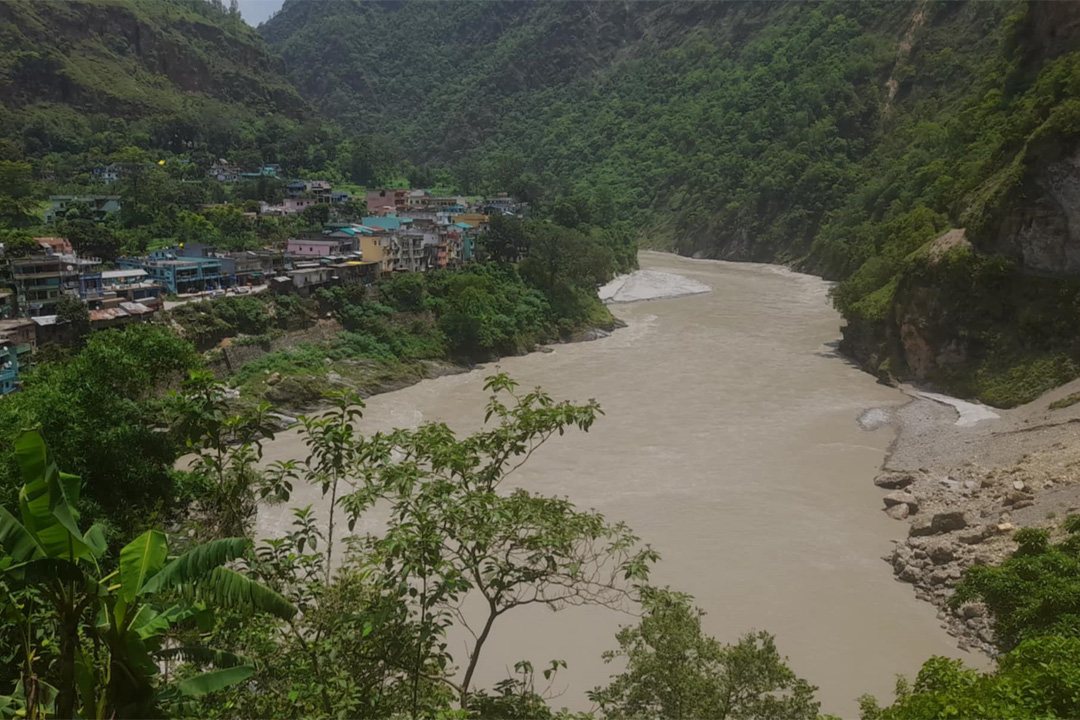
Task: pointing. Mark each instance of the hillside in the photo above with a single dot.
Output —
(841, 137)
(101, 74)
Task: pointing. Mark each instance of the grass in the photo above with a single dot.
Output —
(1065, 401)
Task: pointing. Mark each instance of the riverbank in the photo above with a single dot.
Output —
(964, 478)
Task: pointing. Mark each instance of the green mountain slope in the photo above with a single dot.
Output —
(840, 136)
(85, 74)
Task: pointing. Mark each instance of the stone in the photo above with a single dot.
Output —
(1016, 498)
(333, 377)
(975, 535)
(970, 485)
(921, 527)
(1005, 527)
(973, 610)
(327, 361)
(1018, 485)
(893, 481)
(898, 512)
(938, 577)
(940, 553)
(274, 379)
(950, 484)
(944, 522)
(902, 498)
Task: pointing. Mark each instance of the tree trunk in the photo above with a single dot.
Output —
(475, 657)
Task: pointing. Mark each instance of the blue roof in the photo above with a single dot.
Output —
(466, 226)
(386, 223)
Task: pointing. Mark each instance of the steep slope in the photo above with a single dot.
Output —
(92, 73)
(844, 137)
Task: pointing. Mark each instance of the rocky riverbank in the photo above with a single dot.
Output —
(964, 478)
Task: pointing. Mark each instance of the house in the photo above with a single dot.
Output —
(39, 280)
(222, 171)
(339, 198)
(249, 267)
(178, 273)
(454, 203)
(320, 190)
(356, 271)
(295, 189)
(9, 367)
(107, 174)
(502, 203)
(291, 206)
(416, 199)
(55, 245)
(380, 202)
(129, 285)
(317, 247)
(7, 303)
(389, 222)
(272, 170)
(100, 205)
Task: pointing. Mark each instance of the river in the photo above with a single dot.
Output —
(730, 443)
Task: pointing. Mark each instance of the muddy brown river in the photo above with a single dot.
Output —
(730, 443)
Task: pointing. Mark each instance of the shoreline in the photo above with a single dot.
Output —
(963, 478)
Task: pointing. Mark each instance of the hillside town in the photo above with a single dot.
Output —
(403, 231)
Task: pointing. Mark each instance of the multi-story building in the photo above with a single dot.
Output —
(20, 334)
(322, 246)
(179, 273)
(39, 280)
(381, 202)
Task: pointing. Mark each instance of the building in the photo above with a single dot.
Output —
(179, 273)
(107, 174)
(320, 191)
(321, 246)
(100, 205)
(222, 171)
(381, 202)
(9, 367)
(296, 189)
(291, 206)
(453, 203)
(39, 280)
(55, 245)
(129, 285)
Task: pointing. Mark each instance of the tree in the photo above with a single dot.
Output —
(673, 670)
(505, 240)
(100, 408)
(316, 215)
(18, 207)
(73, 311)
(110, 628)
(1036, 591)
(452, 531)
(227, 448)
(18, 243)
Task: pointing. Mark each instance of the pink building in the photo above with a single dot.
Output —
(381, 202)
(320, 247)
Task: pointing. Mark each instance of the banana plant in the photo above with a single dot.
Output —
(112, 628)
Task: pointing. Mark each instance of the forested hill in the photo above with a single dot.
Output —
(843, 137)
(84, 75)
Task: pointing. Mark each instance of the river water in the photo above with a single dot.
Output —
(730, 443)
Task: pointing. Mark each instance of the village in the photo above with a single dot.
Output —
(403, 231)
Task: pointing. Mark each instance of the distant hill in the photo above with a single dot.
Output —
(82, 74)
(842, 137)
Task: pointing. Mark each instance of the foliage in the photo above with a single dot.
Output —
(371, 634)
(72, 311)
(1033, 598)
(1034, 592)
(673, 670)
(1040, 678)
(107, 633)
(99, 408)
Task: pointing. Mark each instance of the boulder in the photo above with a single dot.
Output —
(893, 481)
(944, 522)
(975, 535)
(1005, 527)
(940, 553)
(1018, 485)
(900, 497)
(921, 527)
(274, 379)
(898, 512)
(1017, 499)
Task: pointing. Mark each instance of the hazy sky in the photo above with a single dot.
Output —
(257, 11)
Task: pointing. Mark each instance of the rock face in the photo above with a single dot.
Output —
(894, 481)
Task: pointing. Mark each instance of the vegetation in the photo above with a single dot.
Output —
(1034, 602)
(841, 137)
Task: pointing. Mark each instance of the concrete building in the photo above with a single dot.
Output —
(380, 202)
(178, 273)
(9, 368)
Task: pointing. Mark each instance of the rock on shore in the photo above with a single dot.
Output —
(964, 485)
